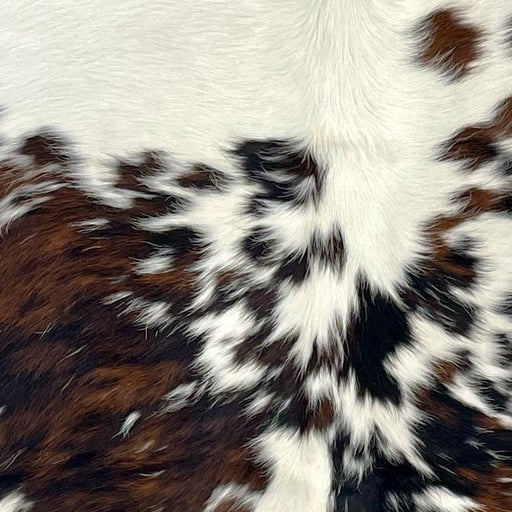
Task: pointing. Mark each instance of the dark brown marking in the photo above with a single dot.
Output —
(473, 146)
(449, 43)
(435, 409)
(321, 416)
(72, 368)
(480, 475)
(47, 148)
(492, 483)
(203, 177)
(477, 145)
(39, 358)
(179, 283)
(446, 260)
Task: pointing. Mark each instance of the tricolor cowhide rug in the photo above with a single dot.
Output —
(256, 256)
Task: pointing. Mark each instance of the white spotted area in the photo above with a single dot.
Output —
(314, 310)
(182, 77)
(301, 470)
(223, 333)
(15, 502)
(180, 397)
(364, 416)
(232, 495)
(440, 499)
(128, 423)
(156, 264)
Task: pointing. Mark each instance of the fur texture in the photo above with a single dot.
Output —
(256, 256)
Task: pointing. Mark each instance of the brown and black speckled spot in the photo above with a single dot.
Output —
(451, 266)
(130, 175)
(492, 483)
(295, 267)
(469, 438)
(290, 407)
(457, 443)
(449, 44)
(258, 246)
(454, 263)
(73, 369)
(430, 289)
(179, 284)
(320, 416)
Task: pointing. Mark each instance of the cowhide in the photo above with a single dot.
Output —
(256, 256)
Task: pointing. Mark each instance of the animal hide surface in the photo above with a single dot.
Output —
(256, 256)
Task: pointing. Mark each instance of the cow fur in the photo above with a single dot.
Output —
(255, 256)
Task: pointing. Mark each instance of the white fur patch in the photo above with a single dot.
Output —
(300, 472)
(14, 502)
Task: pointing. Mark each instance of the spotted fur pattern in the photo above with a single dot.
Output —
(301, 300)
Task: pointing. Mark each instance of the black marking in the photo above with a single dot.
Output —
(10, 482)
(374, 492)
(505, 205)
(280, 170)
(506, 168)
(261, 301)
(81, 459)
(505, 345)
(491, 395)
(377, 329)
(429, 294)
(181, 240)
(295, 267)
(454, 441)
(258, 246)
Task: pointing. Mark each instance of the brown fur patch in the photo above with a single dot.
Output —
(72, 369)
(449, 44)
(46, 148)
(447, 259)
(487, 482)
(321, 417)
(203, 177)
(39, 358)
(476, 145)
(493, 489)
(434, 409)
(181, 280)
(494, 493)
